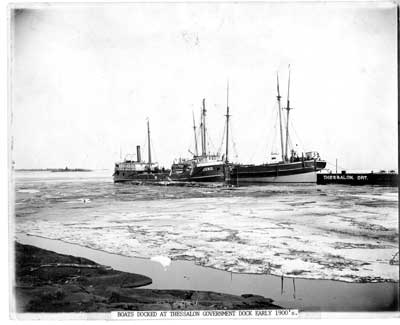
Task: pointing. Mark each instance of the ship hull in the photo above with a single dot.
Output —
(140, 177)
(209, 173)
(295, 172)
(310, 177)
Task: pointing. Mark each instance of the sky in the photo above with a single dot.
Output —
(85, 79)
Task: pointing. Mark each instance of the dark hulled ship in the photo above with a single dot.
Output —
(198, 170)
(303, 170)
(291, 168)
(139, 171)
(204, 167)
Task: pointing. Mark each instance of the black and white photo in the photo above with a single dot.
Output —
(203, 157)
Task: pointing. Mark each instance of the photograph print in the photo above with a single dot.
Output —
(203, 158)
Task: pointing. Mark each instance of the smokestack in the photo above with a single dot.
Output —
(139, 158)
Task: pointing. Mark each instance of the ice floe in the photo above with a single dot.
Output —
(299, 231)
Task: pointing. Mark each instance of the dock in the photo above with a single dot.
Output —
(381, 178)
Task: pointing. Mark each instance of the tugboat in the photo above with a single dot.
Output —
(138, 171)
(293, 168)
(204, 167)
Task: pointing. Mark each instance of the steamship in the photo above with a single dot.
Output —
(139, 171)
(288, 167)
(204, 167)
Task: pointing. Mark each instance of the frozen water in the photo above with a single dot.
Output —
(326, 232)
(28, 191)
(163, 260)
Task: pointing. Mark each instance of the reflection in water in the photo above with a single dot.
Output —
(294, 288)
(320, 295)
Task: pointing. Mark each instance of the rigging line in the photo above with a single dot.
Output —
(233, 140)
(210, 143)
(234, 143)
(190, 143)
(273, 145)
(222, 141)
(289, 142)
(235, 149)
(272, 132)
(298, 138)
(267, 133)
(290, 146)
(198, 136)
(273, 113)
(198, 133)
(236, 156)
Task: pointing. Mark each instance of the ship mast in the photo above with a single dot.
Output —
(195, 137)
(288, 108)
(148, 140)
(280, 116)
(227, 123)
(203, 130)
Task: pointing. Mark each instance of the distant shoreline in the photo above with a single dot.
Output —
(53, 170)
